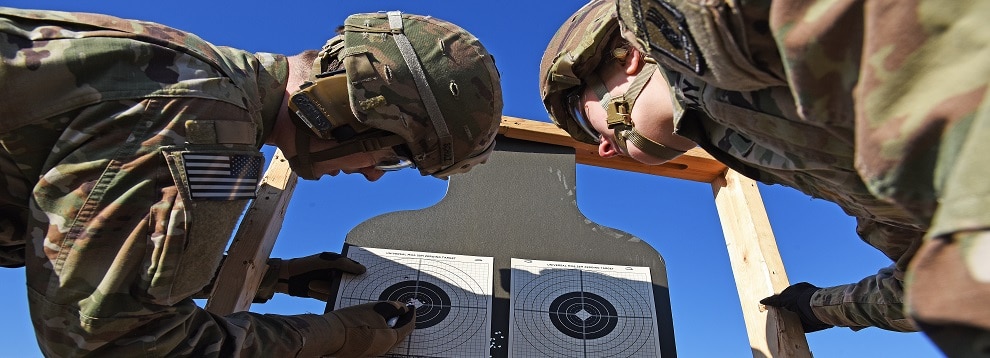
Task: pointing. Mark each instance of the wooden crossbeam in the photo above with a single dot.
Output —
(695, 165)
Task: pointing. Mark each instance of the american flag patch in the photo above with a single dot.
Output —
(222, 176)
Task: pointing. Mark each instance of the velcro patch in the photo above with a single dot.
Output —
(664, 28)
(222, 176)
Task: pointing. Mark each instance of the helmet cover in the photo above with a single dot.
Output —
(449, 116)
(574, 51)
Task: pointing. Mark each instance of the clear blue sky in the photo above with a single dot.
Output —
(817, 241)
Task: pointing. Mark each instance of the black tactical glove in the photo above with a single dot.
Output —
(363, 330)
(797, 299)
(308, 276)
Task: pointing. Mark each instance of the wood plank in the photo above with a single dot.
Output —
(695, 165)
(246, 261)
(757, 267)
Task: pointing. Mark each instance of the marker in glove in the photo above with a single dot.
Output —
(365, 330)
(797, 299)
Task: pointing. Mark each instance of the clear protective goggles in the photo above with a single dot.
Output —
(393, 164)
(575, 107)
(396, 161)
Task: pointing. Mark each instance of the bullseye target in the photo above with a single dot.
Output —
(583, 315)
(432, 302)
(451, 293)
(575, 310)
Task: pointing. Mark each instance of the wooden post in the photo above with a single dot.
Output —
(245, 265)
(757, 267)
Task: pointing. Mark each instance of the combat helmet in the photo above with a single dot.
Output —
(574, 52)
(420, 85)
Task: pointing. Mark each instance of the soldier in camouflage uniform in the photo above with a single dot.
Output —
(876, 106)
(128, 150)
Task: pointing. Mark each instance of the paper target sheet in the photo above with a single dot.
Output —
(566, 309)
(452, 295)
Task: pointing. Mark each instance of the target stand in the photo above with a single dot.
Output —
(505, 265)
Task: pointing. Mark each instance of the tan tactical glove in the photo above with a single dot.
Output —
(363, 330)
(308, 276)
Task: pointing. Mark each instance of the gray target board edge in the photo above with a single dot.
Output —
(521, 204)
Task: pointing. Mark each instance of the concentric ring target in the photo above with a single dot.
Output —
(583, 315)
(432, 303)
(451, 295)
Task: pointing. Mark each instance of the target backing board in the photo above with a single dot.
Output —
(452, 295)
(566, 309)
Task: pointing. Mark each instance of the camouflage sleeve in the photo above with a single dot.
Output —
(119, 241)
(873, 301)
(876, 300)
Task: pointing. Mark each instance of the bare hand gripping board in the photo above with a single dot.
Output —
(505, 263)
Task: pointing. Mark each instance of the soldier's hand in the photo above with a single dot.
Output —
(797, 299)
(364, 331)
(312, 275)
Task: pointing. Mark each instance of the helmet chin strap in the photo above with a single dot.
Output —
(302, 163)
(619, 120)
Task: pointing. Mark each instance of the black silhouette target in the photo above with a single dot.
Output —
(581, 313)
(452, 306)
(432, 303)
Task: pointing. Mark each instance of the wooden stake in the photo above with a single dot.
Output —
(245, 265)
(757, 268)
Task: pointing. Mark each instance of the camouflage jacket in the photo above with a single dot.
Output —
(127, 151)
(817, 163)
(867, 105)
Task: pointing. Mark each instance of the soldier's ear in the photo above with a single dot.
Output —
(633, 61)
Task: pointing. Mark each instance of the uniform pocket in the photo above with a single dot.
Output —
(757, 120)
(191, 225)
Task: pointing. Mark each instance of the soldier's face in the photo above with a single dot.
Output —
(652, 114)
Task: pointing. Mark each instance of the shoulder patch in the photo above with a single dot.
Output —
(665, 29)
(222, 176)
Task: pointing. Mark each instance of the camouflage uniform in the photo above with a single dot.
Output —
(816, 162)
(877, 106)
(102, 125)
